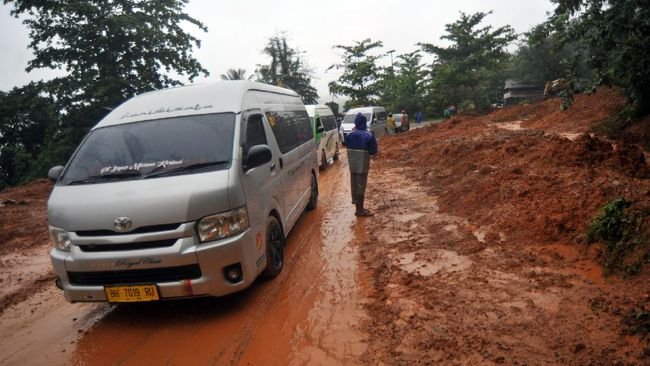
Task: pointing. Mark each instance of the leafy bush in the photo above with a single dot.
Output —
(626, 248)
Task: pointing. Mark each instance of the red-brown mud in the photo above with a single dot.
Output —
(479, 254)
(476, 256)
(310, 314)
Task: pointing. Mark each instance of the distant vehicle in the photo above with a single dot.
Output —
(399, 127)
(376, 117)
(323, 124)
(180, 192)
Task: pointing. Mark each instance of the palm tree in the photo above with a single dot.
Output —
(236, 74)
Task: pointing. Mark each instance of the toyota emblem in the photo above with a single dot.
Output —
(122, 224)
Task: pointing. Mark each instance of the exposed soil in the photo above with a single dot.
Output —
(25, 267)
(490, 264)
(476, 255)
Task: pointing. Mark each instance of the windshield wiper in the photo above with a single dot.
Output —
(100, 177)
(156, 173)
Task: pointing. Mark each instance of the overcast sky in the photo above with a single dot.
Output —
(238, 31)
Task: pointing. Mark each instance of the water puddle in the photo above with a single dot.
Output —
(434, 261)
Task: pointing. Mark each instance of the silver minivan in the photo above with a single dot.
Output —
(187, 191)
(325, 130)
(376, 117)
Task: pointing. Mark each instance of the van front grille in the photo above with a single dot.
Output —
(135, 276)
(127, 246)
(140, 230)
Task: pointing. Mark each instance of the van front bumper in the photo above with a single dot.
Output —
(205, 262)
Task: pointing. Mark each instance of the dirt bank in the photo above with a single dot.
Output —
(478, 255)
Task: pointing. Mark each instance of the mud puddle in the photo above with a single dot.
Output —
(310, 314)
(454, 292)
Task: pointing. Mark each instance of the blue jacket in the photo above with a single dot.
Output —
(360, 138)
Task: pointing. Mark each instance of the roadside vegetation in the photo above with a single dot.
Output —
(586, 43)
(622, 229)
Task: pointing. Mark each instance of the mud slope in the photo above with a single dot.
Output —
(477, 253)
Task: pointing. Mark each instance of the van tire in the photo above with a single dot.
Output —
(313, 198)
(336, 152)
(323, 161)
(275, 242)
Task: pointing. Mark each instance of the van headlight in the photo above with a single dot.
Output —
(223, 225)
(60, 239)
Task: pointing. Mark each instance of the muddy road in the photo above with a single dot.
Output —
(310, 314)
(476, 256)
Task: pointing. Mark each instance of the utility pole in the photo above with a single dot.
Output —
(392, 76)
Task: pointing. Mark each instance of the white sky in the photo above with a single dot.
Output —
(238, 31)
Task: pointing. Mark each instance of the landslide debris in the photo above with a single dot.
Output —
(478, 253)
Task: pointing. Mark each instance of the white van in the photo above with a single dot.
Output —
(376, 117)
(324, 126)
(188, 191)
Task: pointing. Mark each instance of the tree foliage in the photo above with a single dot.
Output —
(109, 52)
(236, 74)
(287, 69)
(27, 118)
(617, 34)
(539, 57)
(471, 71)
(361, 74)
(334, 107)
(411, 82)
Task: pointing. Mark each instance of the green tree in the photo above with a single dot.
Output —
(360, 78)
(334, 107)
(411, 81)
(539, 57)
(287, 69)
(27, 118)
(617, 34)
(236, 74)
(109, 50)
(471, 71)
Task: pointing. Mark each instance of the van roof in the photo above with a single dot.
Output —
(211, 97)
(311, 109)
(364, 109)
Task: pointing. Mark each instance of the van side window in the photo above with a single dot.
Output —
(329, 122)
(381, 116)
(254, 132)
(291, 128)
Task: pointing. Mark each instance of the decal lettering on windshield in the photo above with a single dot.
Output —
(196, 107)
(138, 166)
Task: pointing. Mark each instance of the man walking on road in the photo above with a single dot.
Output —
(418, 117)
(361, 145)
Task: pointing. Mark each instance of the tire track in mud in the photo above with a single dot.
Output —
(447, 292)
(310, 314)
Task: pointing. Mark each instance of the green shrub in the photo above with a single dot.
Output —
(626, 248)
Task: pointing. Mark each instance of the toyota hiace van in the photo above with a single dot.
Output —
(187, 191)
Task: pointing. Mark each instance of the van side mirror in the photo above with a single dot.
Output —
(320, 129)
(256, 156)
(55, 173)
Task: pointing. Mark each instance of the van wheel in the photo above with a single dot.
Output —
(336, 152)
(323, 163)
(313, 198)
(274, 248)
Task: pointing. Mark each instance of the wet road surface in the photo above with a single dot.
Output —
(310, 314)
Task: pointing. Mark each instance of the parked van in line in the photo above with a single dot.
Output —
(327, 137)
(188, 191)
(376, 117)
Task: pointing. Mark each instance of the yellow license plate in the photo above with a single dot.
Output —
(131, 293)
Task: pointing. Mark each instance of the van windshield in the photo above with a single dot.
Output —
(349, 118)
(149, 149)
